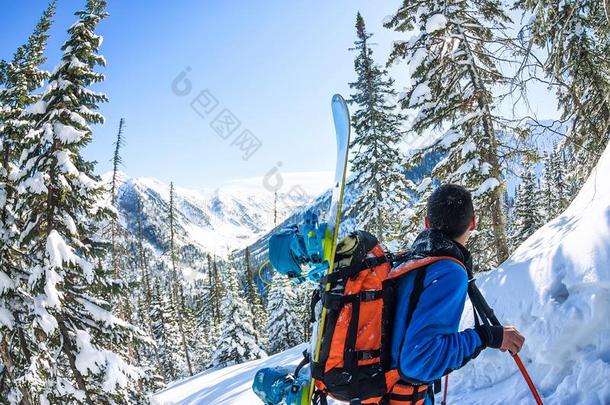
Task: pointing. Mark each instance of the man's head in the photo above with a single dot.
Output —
(450, 210)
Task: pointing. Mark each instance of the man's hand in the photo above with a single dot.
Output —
(512, 340)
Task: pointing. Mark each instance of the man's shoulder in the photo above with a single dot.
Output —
(448, 270)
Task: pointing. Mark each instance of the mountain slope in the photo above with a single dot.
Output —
(555, 288)
(214, 220)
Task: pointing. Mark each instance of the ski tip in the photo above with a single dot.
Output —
(338, 98)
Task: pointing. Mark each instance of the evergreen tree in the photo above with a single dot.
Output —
(177, 295)
(284, 326)
(528, 215)
(259, 317)
(575, 37)
(302, 308)
(383, 190)
(556, 185)
(454, 66)
(19, 78)
(216, 289)
(167, 336)
(82, 359)
(114, 223)
(238, 341)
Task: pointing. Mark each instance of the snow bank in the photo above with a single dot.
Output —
(230, 385)
(556, 289)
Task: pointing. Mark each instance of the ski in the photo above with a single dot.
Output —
(341, 120)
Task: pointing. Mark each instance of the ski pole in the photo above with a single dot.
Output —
(444, 401)
(481, 304)
(527, 378)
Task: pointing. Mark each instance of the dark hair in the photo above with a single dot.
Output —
(450, 210)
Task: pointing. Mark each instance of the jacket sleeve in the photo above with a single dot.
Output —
(431, 346)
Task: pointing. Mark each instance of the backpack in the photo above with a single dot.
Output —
(354, 359)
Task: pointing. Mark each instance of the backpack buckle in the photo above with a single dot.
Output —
(370, 295)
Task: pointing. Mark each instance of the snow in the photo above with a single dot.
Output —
(231, 214)
(488, 185)
(46, 321)
(39, 107)
(67, 134)
(59, 253)
(65, 163)
(99, 314)
(57, 250)
(230, 385)
(421, 93)
(6, 317)
(436, 22)
(6, 283)
(89, 359)
(417, 59)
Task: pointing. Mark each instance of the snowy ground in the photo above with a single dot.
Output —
(231, 385)
(555, 288)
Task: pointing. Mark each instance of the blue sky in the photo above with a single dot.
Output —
(273, 64)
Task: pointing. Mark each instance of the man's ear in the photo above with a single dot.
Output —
(427, 222)
(473, 223)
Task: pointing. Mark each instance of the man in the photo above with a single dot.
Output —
(431, 346)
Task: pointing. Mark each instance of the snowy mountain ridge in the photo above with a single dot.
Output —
(215, 219)
(555, 288)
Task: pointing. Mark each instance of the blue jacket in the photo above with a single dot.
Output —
(432, 346)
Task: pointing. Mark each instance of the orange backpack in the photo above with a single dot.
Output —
(354, 360)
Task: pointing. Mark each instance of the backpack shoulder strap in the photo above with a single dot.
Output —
(414, 264)
(419, 265)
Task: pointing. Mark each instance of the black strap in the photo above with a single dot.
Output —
(350, 358)
(343, 273)
(335, 301)
(436, 386)
(367, 354)
(480, 306)
(418, 288)
(302, 363)
(319, 398)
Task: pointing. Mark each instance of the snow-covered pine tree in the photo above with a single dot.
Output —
(176, 287)
(82, 359)
(528, 216)
(302, 308)
(197, 338)
(284, 326)
(114, 184)
(454, 67)
(171, 360)
(216, 290)
(556, 188)
(575, 38)
(259, 317)
(19, 78)
(238, 341)
(383, 190)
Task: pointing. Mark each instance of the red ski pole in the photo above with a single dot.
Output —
(527, 378)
